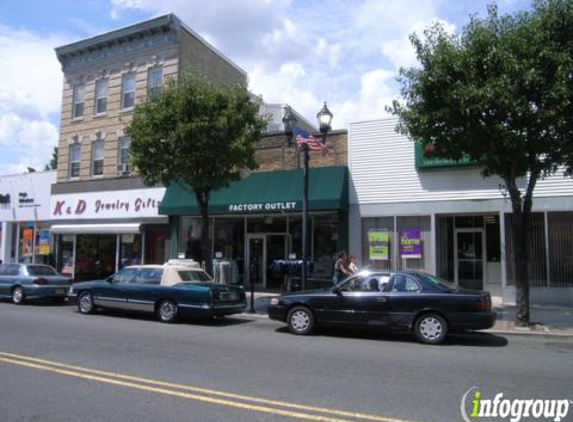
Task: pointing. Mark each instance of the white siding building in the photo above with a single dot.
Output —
(458, 220)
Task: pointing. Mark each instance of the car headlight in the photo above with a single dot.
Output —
(71, 290)
(275, 301)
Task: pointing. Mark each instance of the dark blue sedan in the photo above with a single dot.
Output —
(412, 301)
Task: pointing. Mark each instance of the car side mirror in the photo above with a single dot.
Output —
(337, 291)
(110, 280)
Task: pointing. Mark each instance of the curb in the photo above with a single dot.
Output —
(524, 332)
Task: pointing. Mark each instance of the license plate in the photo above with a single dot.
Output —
(61, 292)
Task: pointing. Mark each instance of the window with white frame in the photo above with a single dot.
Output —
(154, 82)
(78, 106)
(101, 96)
(124, 158)
(128, 90)
(97, 157)
(75, 158)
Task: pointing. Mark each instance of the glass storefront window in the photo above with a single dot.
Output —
(95, 256)
(368, 258)
(229, 238)
(26, 247)
(130, 250)
(42, 247)
(66, 254)
(411, 230)
(157, 242)
(269, 224)
(190, 238)
(325, 242)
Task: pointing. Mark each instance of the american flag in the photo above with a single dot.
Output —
(303, 137)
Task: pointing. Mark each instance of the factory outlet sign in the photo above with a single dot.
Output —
(108, 204)
(263, 207)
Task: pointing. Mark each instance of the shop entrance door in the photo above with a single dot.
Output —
(469, 263)
(256, 258)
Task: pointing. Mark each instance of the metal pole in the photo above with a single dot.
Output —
(304, 218)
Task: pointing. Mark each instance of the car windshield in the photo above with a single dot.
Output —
(41, 270)
(439, 282)
(190, 276)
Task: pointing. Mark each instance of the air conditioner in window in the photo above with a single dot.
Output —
(123, 168)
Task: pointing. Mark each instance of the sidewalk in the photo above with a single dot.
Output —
(546, 319)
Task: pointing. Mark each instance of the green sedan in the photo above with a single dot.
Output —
(23, 282)
(170, 291)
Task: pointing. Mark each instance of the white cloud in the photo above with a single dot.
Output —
(30, 95)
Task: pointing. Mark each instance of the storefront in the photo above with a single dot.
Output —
(24, 213)
(97, 233)
(443, 217)
(258, 220)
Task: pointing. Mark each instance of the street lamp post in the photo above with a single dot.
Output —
(324, 117)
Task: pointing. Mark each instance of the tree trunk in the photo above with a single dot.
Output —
(203, 202)
(521, 229)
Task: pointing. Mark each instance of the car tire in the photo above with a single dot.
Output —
(167, 311)
(18, 295)
(300, 320)
(86, 303)
(431, 328)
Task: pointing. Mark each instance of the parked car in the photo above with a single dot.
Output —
(22, 282)
(413, 301)
(178, 289)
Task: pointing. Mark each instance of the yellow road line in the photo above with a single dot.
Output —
(72, 370)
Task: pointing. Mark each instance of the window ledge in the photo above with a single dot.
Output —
(126, 110)
(98, 115)
(77, 119)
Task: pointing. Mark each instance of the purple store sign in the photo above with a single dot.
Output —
(410, 243)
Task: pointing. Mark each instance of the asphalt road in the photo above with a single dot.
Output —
(57, 365)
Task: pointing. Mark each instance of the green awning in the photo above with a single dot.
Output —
(266, 193)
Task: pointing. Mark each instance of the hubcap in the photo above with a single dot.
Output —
(431, 328)
(300, 320)
(18, 295)
(167, 311)
(86, 303)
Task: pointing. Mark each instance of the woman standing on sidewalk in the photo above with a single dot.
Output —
(341, 270)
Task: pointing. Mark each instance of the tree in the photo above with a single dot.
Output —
(198, 133)
(502, 94)
(54, 160)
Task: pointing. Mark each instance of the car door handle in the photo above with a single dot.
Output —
(381, 299)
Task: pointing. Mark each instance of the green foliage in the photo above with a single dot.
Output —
(53, 160)
(196, 132)
(501, 92)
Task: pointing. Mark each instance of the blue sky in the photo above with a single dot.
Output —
(301, 52)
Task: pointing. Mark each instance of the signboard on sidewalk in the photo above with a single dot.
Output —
(378, 245)
(410, 244)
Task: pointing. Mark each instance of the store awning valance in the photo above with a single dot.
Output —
(125, 228)
(266, 193)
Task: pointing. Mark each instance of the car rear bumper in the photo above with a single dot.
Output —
(474, 321)
(44, 292)
(205, 311)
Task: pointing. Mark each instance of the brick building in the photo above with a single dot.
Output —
(104, 217)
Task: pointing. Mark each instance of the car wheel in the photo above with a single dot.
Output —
(167, 311)
(86, 303)
(431, 328)
(18, 295)
(300, 320)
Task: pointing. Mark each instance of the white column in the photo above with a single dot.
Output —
(433, 243)
(546, 232)
(502, 250)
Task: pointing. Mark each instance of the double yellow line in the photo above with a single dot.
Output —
(214, 397)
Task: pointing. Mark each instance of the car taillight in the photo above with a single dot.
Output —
(484, 304)
(42, 281)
